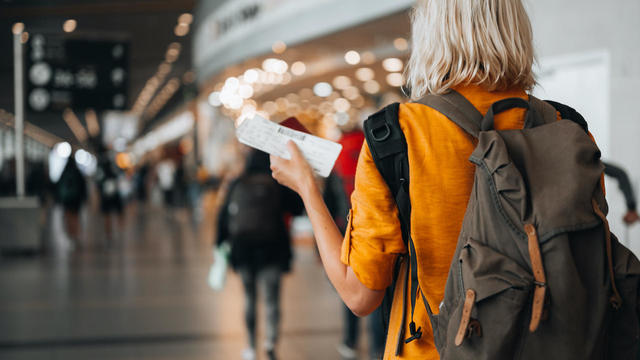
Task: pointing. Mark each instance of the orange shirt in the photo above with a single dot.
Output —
(441, 178)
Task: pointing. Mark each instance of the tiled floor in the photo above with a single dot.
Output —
(147, 298)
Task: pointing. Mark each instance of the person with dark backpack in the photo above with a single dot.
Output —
(253, 220)
(489, 200)
(71, 192)
(624, 184)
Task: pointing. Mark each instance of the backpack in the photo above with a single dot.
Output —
(255, 209)
(536, 273)
(70, 188)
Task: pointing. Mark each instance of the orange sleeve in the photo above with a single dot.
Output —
(373, 237)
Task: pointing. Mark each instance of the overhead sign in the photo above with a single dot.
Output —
(76, 73)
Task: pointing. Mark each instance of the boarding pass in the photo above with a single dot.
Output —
(265, 135)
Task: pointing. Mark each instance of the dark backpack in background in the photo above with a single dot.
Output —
(255, 209)
(536, 272)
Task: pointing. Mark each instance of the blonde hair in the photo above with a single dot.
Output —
(462, 42)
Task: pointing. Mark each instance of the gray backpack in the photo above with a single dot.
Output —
(536, 272)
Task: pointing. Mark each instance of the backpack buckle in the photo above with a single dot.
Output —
(383, 136)
(540, 284)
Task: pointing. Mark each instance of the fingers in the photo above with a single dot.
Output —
(277, 164)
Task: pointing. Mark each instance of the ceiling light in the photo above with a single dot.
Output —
(251, 76)
(269, 65)
(282, 104)
(341, 118)
(164, 69)
(351, 92)
(368, 58)
(306, 93)
(185, 18)
(322, 89)
(69, 25)
(214, 99)
(270, 107)
(392, 64)
(286, 78)
(235, 103)
(372, 87)
(63, 149)
(341, 105)
(298, 68)
(275, 66)
(341, 82)
(279, 47)
(231, 84)
(181, 29)
(245, 91)
(395, 79)
(365, 74)
(352, 57)
(401, 44)
(282, 67)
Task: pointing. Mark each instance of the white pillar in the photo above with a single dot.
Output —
(19, 111)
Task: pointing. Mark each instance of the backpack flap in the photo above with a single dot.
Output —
(559, 188)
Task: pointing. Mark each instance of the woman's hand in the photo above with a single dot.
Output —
(296, 173)
(298, 176)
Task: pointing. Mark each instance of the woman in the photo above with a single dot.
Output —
(483, 50)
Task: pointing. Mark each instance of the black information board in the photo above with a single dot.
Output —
(75, 73)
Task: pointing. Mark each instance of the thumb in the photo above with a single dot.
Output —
(294, 151)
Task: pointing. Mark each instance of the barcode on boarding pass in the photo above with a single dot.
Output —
(290, 133)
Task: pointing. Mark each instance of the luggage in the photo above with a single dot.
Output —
(536, 272)
(255, 209)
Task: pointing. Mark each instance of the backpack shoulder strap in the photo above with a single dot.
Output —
(388, 148)
(457, 109)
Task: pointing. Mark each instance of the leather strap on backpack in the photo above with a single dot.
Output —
(540, 279)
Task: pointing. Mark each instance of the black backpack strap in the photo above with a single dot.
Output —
(568, 113)
(388, 148)
(457, 109)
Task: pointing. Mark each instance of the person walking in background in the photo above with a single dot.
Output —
(252, 219)
(165, 174)
(111, 203)
(71, 192)
(631, 216)
(337, 193)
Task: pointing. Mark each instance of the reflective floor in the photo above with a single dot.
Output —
(145, 296)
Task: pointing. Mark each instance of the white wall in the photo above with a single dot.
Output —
(572, 27)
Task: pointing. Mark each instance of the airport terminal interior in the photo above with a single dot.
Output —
(118, 148)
